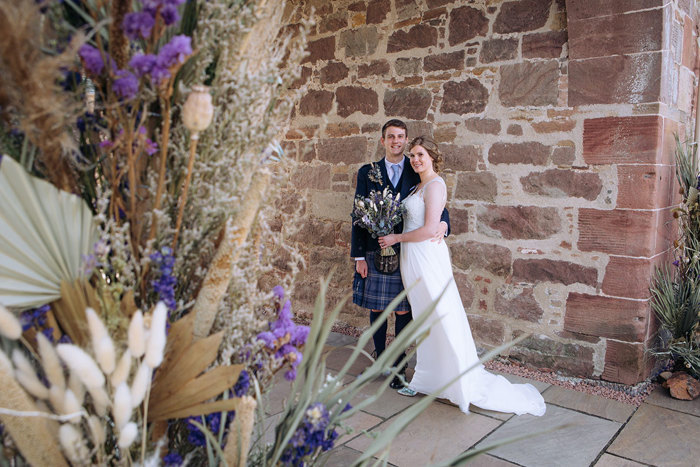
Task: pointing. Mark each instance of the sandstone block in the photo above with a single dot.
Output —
(446, 61)
(419, 36)
(438, 3)
(464, 97)
(563, 155)
(553, 126)
(314, 177)
(407, 102)
(522, 16)
(479, 186)
(459, 221)
(377, 11)
(617, 79)
(544, 352)
(544, 44)
(459, 158)
(333, 22)
(337, 130)
(518, 222)
(529, 84)
(303, 78)
(617, 232)
(316, 103)
(517, 304)
(624, 362)
(683, 386)
(629, 33)
(594, 8)
(445, 133)
(487, 331)
(470, 256)
(515, 129)
(533, 271)
(359, 42)
(563, 183)
(315, 232)
(645, 186)
(465, 287)
(351, 150)
(320, 49)
(375, 68)
(519, 153)
(614, 318)
(489, 126)
(622, 140)
(466, 23)
(353, 99)
(333, 72)
(407, 66)
(497, 50)
(628, 277)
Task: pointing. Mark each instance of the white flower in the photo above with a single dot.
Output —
(27, 377)
(50, 362)
(9, 324)
(96, 326)
(80, 362)
(71, 405)
(97, 431)
(72, 443)
(127, 435)
(105, 354)
(137, 339)
(121, 372)
(77, 387)
(156, 339)
(139, 386)
(100, 400)
(56, 397)
(121, 409)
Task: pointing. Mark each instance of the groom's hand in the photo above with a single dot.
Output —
(440, 234)
(361, 267)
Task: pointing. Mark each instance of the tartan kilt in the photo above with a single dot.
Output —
(377, 290)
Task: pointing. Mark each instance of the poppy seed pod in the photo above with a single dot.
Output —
(198, 110)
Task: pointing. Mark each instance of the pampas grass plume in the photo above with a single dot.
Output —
(156, 341)
(127, 435)
(97, 328)
(82, 364)
(50, 362)
(26, 376)
(56, 396)
(121, 409)
(100, 400)
(137, 339)
(105, 354)
(9, 324)
(97, 430)
(121, 372)
(71, 405)
(77, 387)
(72, 443)
(140, 384)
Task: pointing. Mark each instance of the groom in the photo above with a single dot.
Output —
(373, 289)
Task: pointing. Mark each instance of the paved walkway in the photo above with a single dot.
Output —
(599, 431)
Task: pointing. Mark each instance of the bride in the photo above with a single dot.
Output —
(449, 348)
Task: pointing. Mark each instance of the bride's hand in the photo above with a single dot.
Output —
(388, 240)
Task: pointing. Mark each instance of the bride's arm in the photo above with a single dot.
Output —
(434, 196)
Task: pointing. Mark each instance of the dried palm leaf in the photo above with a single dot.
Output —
(44, 234)
(181, 386)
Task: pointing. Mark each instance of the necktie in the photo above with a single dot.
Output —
(395, 174)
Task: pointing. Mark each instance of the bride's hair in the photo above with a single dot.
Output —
(431, 147)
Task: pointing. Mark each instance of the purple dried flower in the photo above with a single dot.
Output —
(137, 24)
(172, 459)
(175, 51)
(268, 338)
(164, 285)
(299, 335)
(92, 59)
(242, 385)
(126, 85)
(278, 292)
(169, 14)
(151, 147)
(290, 375)
(142, 64)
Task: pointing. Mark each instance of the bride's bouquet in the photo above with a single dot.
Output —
(379, 213)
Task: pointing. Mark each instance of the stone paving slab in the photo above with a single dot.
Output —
(589, 403)
(659, 436)
(337, 339)
(340, 457)
(338, 357)
(577, 444)
(661, 398)
(441, 432)
(608, 460)
(388, 404)
(359, 422)
(485, 460)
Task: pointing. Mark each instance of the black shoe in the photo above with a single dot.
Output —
(397, 383)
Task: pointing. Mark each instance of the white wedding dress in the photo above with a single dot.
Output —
(449, 348)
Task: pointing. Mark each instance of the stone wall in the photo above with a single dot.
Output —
(556, 120)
